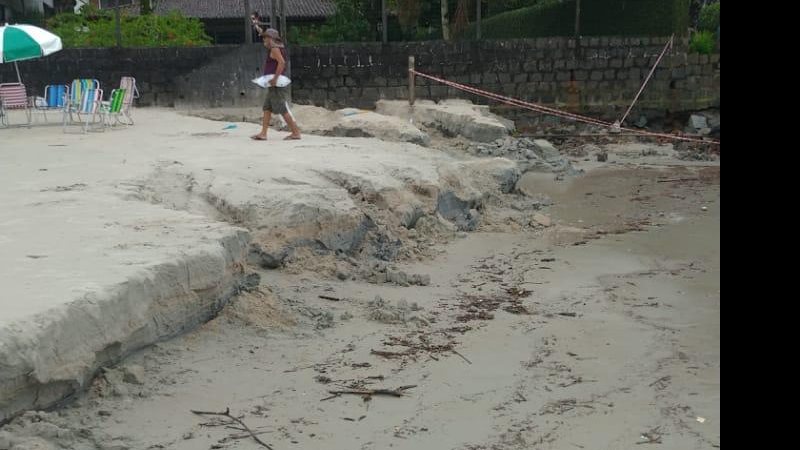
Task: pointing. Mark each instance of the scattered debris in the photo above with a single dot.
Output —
(382, 275)
(462, 356)
(539, 155)
(402, 312)
(653, 436)
(662, 383)
(517, 292)
(72, 187)
(517, 310)
(237, 420)
(369, 393)
(391, 355)
(562, 406)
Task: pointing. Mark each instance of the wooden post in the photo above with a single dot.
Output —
(412, 81)
(273, 15)
(445, 20)
(384, 22)
(479, 19)
(284, 31)
(577, 21)
(248, 24)
(118, 24)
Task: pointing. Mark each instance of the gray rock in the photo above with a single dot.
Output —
(133, 374)
(379, 278)
(250, 282)
(421, 280)
(410, 215)
(324, 321)
(34, 444)
(526, 204)
(591, 148)
(546, 150)
(266, 260)
(5, 440)
(382, 311)
(578, 152)
(543, 220)
(458, 211)
(473, 220)
(507, 179)
(120, 390)
(115, 445)
(698, 122)
(402, 279)
(538, 166)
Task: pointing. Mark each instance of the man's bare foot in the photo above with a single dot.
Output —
(292, 137)
(259, 137)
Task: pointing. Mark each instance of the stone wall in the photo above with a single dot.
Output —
(598, 74)
(156, 69)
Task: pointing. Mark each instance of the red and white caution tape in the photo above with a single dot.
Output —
(559, 113)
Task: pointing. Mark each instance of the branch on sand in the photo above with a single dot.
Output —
(368, 393)
(227, 414)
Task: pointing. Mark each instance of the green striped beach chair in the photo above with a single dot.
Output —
(114, 109)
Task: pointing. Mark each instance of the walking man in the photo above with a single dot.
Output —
(277, 101)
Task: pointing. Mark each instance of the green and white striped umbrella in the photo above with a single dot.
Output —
(21, 42)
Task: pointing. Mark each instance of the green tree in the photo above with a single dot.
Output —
(64, 5)
(408, 14)
(703, 43)
(499, 6)
(146, 7)
(96, 28)
(349, 24)
(461, 23)
(445, 20)
(709, 18)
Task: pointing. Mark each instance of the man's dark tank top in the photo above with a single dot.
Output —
(271, 65)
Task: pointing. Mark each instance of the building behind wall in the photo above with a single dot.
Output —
(224, 19)
(9, 9)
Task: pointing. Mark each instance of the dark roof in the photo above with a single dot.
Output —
(229, 9)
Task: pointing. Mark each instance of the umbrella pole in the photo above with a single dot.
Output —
(19, 78)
